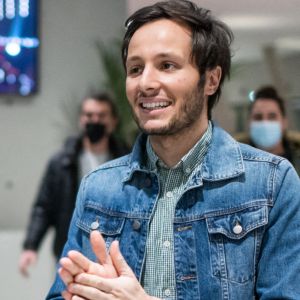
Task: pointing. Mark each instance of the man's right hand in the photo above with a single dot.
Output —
(27, 258)
(109, 278)
(76, 263)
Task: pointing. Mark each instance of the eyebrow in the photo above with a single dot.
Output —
(160, 55)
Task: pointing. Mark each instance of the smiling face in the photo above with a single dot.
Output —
(162, 82)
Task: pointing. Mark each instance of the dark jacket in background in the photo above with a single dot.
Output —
(56, 197)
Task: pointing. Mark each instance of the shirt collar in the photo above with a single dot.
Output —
(190, 161)
(223, 159)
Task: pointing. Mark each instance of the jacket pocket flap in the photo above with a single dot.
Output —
(106, 222)
(237, 224)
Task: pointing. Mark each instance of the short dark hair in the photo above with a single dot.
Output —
(211, 38)
(102, 97)
(269, 92)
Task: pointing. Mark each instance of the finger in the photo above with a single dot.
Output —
(94, 281)
(65, 275)
(119, 261)
(77, 298)
(80, 260)
(70, 266)
(24, 265)
(99, 247)
(24, 269)
(66, 295)
(87, 292)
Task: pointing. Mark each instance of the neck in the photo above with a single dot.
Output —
(170, 149)
(97, 148)
(277, 149)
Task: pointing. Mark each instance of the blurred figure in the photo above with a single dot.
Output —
(56, 197)
(268, 127)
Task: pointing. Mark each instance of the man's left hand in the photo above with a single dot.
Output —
(124, 287)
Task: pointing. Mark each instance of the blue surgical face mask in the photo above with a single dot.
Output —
(265, 134)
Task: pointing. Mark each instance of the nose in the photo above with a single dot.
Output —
(95, 118)
(149, 81)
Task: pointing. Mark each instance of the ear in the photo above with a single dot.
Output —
(112, 124)
(115, 123)
(285, 124)
(80, 122)
(212, 80)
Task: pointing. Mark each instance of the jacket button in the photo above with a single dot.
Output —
(237, 229)
(94, 225)
(136, 225)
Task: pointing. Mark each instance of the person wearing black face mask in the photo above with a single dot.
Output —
(56, 197)
(95, 132)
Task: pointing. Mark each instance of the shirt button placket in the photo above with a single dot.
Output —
(167, 292)
(169, 194)
(166, 244)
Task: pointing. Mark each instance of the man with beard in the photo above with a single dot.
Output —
(55, 201)
(190, 213)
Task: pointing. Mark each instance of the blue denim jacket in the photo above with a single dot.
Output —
(236, 227)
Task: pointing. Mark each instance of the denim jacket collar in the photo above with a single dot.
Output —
(222, 161)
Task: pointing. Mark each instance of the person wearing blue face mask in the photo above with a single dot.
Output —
(268, 126)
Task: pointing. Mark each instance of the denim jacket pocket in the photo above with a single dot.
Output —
(235, 240)
(108, 223)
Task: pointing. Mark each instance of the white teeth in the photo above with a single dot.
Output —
(155, 105)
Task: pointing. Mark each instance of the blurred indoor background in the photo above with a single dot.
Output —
(37, 116)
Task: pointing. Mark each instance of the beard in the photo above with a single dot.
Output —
(189, 112)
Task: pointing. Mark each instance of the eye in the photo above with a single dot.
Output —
(272, 116)
(257, 117)
(134, 70)
(168, 66)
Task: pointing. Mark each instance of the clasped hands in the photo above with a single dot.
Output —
(108, 279)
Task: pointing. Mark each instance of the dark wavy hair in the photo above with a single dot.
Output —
(102, 97)
(211, 38)
(269, 92)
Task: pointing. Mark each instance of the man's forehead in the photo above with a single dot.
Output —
(171, 34)
(92, 104)
(162, 28)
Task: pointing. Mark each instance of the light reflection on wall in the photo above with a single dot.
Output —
(18, 46)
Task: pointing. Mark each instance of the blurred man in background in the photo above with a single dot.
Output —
(268, 127)
(57, 193)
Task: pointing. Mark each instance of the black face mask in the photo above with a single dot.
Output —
(95, 132)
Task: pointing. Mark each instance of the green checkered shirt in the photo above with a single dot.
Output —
(158, 273)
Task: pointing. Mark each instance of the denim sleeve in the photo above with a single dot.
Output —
(73, 243)
(278, 273)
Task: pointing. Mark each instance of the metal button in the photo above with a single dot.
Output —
(94, 225)
(237, 229)
(167, 292)
(169, 194)
(136, 225)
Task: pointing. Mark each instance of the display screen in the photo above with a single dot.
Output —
(19, 46)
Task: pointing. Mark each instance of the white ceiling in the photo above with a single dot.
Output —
(256, 24)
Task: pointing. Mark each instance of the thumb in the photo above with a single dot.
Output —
(119, 261)
(99, 247)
